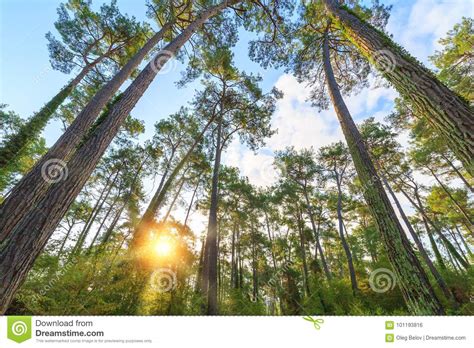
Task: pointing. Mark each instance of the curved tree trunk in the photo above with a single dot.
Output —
(411, 277)
(19, 251)
(448, 113)
(32, 187)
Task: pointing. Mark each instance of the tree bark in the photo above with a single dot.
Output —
(32, 187)
(411, 277)
(210, 253)
(19, 251)
(448, 113)
(15, 145)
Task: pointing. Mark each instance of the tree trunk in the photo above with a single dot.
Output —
(316, 236)
(413, 281)
(192, 201)
(32, 187)
(210, 253)
(95, 211)
(160, 195)
(439, 279)
(458, 173)
(175, 198)
(16, 144)
(63, 244)
(448, 113)
(445, 241)
(303, 253)
(19, 251)
(446, 190)
(345, 246)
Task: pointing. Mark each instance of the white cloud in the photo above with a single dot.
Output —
(419, 27)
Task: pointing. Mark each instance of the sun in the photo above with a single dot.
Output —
(163, 247)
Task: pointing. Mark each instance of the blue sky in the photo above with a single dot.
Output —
(27, 81)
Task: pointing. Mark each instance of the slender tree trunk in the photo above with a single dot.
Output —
(449, 114)
(16, 145)
(97, 209)
(111, 228)
(233, 267)
(446, 190)
(445, 241)
(345, 246)
(160, 195)
(192, 201)
(66, 237)
(303, 253)
(254, 266)
(439, 279)
(270, 238)
(105, 218)
(463, 240)
(412, 279)
(199, 278)
(210, 253)
(175, 198)
(32, 187)
(316, 236)
(19, 251)
(458, 173)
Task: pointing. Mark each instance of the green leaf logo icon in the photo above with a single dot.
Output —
(19, 328)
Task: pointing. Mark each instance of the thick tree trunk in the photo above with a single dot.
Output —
(411, 277)
(448, 113)
(210, 253)
(20, 249)
(32, 187)
(345, 246)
